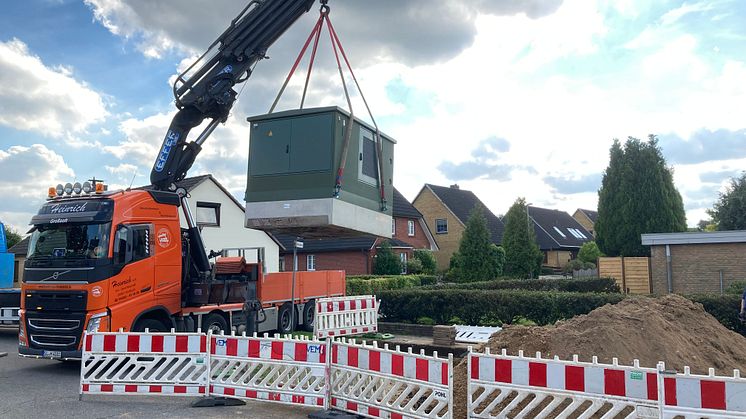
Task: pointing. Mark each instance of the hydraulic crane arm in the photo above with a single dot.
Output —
(205, 89)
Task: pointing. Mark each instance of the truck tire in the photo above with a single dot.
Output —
(285, 319)
(216, 323)
(309, 314)
(152, 325)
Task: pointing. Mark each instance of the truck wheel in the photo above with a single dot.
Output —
(309, 314)
(285, 323)
(152, 325)
(215, 323)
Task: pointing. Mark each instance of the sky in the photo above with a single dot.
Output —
(506, 98)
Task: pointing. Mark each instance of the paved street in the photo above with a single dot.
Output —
(32, 388)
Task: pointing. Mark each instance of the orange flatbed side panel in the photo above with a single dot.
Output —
(276, 286)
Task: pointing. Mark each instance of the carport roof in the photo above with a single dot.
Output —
(695, 237)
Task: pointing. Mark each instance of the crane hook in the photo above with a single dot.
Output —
(324, 9)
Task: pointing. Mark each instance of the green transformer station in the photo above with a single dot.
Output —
(294, 157)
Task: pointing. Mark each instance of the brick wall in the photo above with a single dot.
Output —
(419, 240)
(354, 262)
(586, 222)
(432, 208)
(695, 268)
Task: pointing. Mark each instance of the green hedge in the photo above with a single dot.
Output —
(605, 285)
(488, 306)
(736, 287)
(725, 308)
(372, 284)
(491, 307)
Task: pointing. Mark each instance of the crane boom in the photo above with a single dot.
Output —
(205, 89)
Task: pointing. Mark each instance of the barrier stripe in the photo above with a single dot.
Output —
(590, 378)
(223, 390)
(144, 343)
(144, 389)
(277, 349)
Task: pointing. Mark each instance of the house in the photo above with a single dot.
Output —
(446, 211)
(558, 235)
(19, 251)
(696, 262)
(586, 218)
(409, 226)
(355, 255)
(221, 219)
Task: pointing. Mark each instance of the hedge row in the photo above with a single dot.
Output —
(724, 308)
(605, 285)
(372, 284)
(488, 306)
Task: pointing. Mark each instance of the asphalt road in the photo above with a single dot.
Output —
(34, 388)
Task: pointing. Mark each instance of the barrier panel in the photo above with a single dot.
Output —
(144, 363)
(378, 382)
(699, 396)
(474, 334)
(502, 385)
(340, 316)
(283, 370)
(9, 316)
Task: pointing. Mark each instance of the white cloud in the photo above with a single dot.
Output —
(673, 16)
(35, 97)
(27, 174)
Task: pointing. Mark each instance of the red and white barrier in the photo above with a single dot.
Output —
(703, 395)
(283, 370)
(498, 384)
(144, 363)
(341, 316)
(378, 382)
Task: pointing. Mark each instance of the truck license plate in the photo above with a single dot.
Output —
(51, 354)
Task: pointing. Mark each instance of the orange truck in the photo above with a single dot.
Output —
(104, 260)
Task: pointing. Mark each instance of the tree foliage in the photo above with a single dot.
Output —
(11, 236)
(522, 255)
(386, 262)
(429, 265)
(637, 196)
(476, 260)
(589, 252)
(729, 211)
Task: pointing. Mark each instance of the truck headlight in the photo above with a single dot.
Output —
(98, 322)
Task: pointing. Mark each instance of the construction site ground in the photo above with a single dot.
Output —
(35, 388)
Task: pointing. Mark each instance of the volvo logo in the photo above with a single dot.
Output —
(55, 275)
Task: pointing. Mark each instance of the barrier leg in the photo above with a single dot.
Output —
(209, 400)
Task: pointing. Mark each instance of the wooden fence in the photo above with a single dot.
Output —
(631, 273)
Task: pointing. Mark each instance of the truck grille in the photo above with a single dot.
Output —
(54, 340)
(54, 324)
(55, 319)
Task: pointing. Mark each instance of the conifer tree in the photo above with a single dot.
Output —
(637, 196)
(522, 255)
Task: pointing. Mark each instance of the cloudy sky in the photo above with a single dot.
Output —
(507, 98)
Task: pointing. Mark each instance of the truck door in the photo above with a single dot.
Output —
(133, 250)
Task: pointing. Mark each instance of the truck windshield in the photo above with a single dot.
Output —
(69, 241)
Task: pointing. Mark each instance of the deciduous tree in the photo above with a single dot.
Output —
(729, 212)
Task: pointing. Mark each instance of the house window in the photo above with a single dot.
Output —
(441, 226)
(310, 262)
(208, 214)
(403, 258)
(368, 161)
(410, 228)
(281, 265)
(560, 232)
(393, 226)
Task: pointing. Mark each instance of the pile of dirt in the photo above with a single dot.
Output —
(671, 329)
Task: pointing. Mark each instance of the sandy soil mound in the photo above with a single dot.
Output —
(672, 329)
